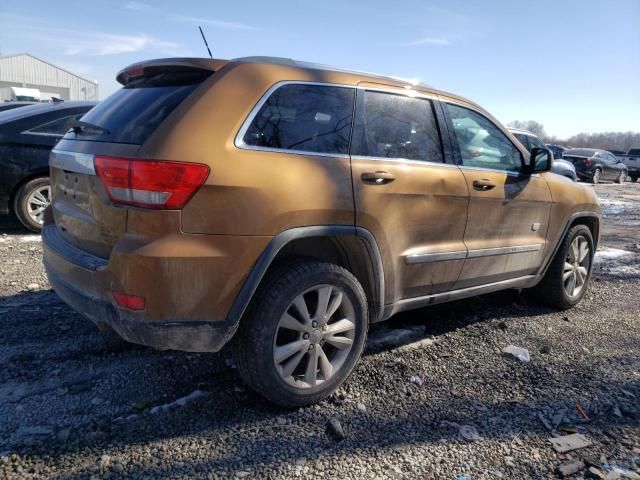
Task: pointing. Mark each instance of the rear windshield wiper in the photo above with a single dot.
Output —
(80, 126)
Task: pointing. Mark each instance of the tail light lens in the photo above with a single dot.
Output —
(150, 183)
(131, 302)
(587, 161)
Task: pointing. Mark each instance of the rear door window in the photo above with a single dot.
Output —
(304, 118)
(135, 111)
(396, 126)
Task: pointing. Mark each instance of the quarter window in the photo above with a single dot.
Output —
(481, 143)
(396, 126)
(59, 126)
(307, 118)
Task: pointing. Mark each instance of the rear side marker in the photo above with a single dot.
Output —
(132, 302)
(155, 184)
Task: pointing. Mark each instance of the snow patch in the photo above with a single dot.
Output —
(31, 238)
(607, 254)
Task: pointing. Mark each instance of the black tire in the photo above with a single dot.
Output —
(597, 175)
(633, 178)
(551, 289)
(20, 202)
(253, 344)
(621, 177)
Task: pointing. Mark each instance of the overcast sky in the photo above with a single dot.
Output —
(572, 65)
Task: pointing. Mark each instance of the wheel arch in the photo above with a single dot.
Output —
(353, 248)
(590, 219)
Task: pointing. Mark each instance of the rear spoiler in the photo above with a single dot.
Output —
(137, 69)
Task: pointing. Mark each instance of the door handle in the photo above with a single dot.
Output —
(377, 178)
(483, 184)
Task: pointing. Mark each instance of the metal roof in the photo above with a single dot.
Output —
(2, 57)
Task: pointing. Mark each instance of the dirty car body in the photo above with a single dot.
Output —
(253, 195)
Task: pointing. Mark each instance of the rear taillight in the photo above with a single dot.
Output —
(587, 161)
(150, 183)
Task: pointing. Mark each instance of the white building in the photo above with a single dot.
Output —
(26, 71)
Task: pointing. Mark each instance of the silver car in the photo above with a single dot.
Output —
(530, 141)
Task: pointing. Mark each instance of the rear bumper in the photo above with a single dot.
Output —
(189, 320)
(186, 336)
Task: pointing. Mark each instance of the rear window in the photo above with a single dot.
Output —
(135, 111)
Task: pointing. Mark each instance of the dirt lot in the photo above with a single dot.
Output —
(77, 403)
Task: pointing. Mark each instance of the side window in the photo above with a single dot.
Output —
(308, 118)
(396, 126)
(535, 142)
(59, 126)
(523, 139)
(481, 143)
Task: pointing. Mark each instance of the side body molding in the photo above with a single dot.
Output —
(279, 241)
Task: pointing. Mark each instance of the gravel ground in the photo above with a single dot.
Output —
(433, 397)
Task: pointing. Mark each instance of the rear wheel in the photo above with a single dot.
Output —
(567, 278)
(597, 173)
(634, 178)
(303, 334)
(31, 201)
(622, 176)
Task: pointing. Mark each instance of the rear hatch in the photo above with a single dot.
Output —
(82, 206)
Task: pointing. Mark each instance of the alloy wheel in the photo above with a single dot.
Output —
(37, 201)
(596, 176)
(576, 267)
(314, 336)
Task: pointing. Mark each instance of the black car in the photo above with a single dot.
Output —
(4, 106)
(557, 150)
(27, 135)
(594, 165)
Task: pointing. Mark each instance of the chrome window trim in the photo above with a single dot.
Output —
(429, 163)
(239, 140)
(493, 170)
(466, 254)
(72, 161)
(58, 135)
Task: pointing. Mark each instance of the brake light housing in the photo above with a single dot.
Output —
(154, 184)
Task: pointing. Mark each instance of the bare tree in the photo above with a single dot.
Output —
(531, 125)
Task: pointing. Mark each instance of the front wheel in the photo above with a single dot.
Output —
(567, 278)
(303, 334)
(634, 178)
(30, 202)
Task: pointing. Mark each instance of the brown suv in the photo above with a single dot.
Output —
(284, 206)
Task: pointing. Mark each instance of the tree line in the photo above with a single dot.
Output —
(604, 140)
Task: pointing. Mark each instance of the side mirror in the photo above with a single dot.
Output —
(541, 160)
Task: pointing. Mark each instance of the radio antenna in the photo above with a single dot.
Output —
(205, 41)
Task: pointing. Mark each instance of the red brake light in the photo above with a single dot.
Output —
(154, 184)
(132, 302)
